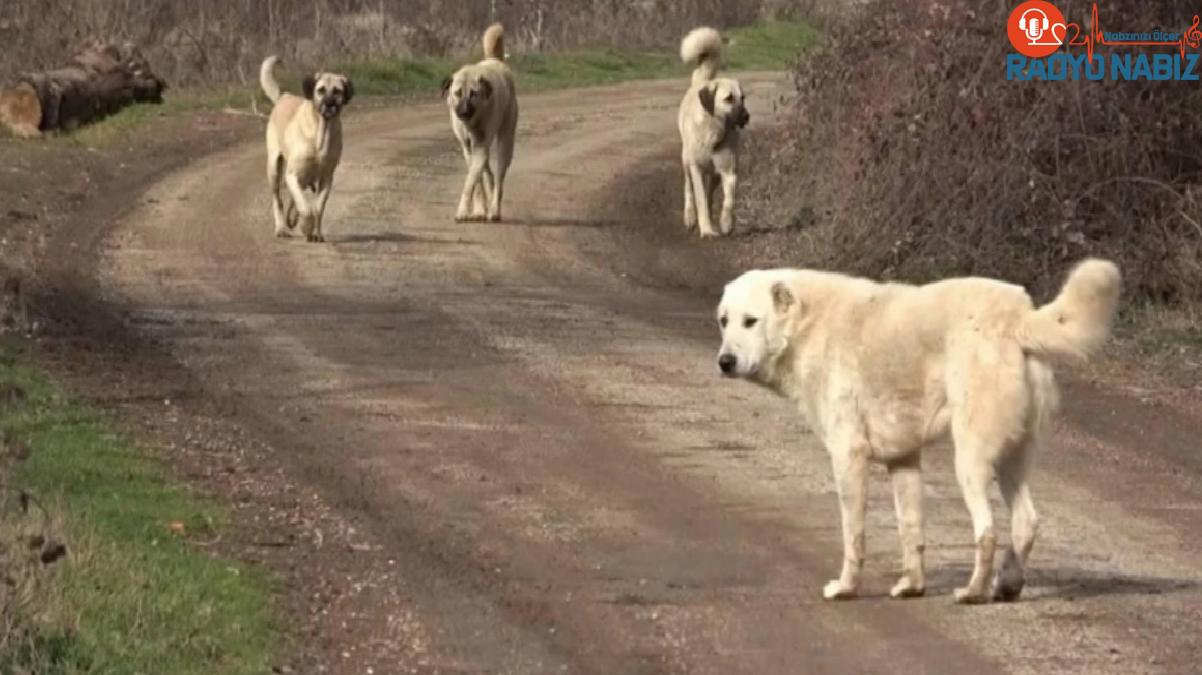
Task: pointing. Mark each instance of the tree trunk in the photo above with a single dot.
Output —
(101, 79)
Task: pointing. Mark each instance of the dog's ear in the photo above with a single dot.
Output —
(486, 88)
(782, 297)
(309, 85)
(348, 91)
(706, 94)
(446, 86)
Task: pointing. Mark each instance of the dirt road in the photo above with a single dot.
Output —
(539, 452)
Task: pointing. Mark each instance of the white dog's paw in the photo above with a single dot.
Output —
(708, 234)
(970, 596)
(835, 590)
(494, 218)
(907, 588)
(282, 233)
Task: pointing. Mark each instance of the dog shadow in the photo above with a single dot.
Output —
(557, 222)
(1067, 583)
(396, 238)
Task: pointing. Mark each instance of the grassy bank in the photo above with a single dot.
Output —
(136, 591)
(768, 46)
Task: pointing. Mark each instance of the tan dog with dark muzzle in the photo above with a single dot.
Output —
(711, 115)
(304, 146)
(483, 103)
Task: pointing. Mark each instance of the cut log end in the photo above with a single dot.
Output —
(21, 110)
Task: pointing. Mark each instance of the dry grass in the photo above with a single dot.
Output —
(208, 42)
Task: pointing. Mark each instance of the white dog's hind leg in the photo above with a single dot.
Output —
(975, 473)
(1024, 523)
(906, 476)
(701, 197)
(730, 181)
(850, 464)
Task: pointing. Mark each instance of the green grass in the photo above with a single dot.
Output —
(768, 46)
(131, 596)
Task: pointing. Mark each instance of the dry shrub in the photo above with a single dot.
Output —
(223, 41)
(918, 159)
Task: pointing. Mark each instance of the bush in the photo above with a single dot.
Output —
(918, 159)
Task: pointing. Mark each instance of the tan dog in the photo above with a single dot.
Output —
(304, 146)
(711, 115)
(881, 370)
(483, 103)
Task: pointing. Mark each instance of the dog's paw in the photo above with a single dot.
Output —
(907, 588)
(835, 590)
(726, 224)
(970, 596)
(494, 218)
(709, 234)
(282, 233)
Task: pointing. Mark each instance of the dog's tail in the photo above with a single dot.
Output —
(1078, 321)
(703, 48)
(494, 42)
(267, 80)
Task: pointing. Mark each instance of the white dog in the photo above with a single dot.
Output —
(711, 114)
(304, 145)
(881, 370)
(483, 102)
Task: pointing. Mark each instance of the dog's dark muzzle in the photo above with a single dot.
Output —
(465, 110)
(743, 118)
(329, 107)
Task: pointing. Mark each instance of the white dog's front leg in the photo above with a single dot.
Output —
(701, 198)
(476, 165)
(730, 181)
(850, 464)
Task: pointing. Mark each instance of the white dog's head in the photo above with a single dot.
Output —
(328, 92)
(467, 92)
(723, 98)
(756, 317)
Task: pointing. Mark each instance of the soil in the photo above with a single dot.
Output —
(503, 448)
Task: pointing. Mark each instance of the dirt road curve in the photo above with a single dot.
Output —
(542, 451)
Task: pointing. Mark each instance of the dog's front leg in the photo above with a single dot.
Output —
(730, 181)
(850, 463)
(906, 475)
(690, 208)
(701, 197)
(323, 195)
(476, 164)
(304, 208)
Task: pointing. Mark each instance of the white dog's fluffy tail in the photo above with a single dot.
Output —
(494, 42)
(702, 47)
(267, 80)
(1078, 321)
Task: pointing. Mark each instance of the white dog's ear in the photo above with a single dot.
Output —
(446, 86)
(706, 94)
(486, 88)
(782, 297)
